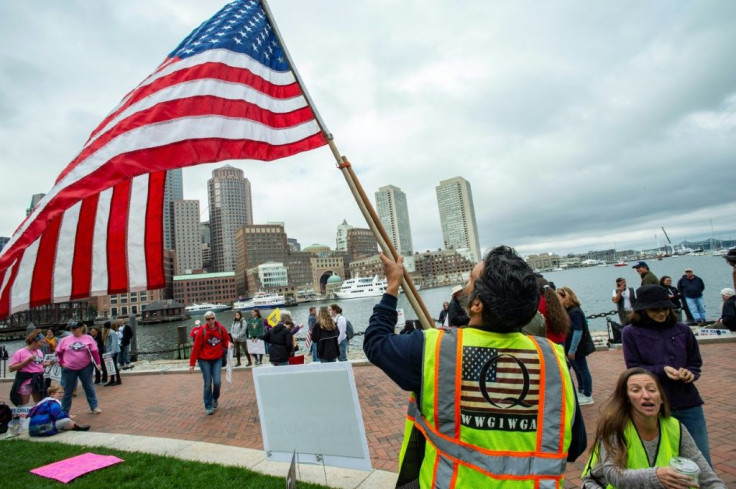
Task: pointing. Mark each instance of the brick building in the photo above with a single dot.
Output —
(216, 287)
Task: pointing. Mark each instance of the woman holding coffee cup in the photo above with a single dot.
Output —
(657, 341)
(637, 439)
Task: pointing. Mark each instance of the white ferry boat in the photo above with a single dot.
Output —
(361, 287)
(262, 300)
(202, 308)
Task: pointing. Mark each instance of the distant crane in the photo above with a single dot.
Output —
(668, 240)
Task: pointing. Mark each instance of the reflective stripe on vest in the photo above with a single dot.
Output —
(670, 432)
(546, 465)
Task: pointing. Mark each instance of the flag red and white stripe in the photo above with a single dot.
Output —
(99, 230)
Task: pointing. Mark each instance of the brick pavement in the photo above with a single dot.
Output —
(170, 406)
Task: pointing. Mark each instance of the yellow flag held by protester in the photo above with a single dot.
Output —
(274, 317)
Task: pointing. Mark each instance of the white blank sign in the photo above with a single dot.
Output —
(314, 410)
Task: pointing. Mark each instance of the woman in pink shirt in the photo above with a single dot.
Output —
(28, 364)
(78, 357)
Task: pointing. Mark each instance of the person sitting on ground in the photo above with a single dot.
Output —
(636, 437)
(728, 310)
(47, 418)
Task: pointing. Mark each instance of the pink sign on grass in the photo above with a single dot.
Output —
(71, 468)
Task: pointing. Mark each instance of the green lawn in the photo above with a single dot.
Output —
(140, 470)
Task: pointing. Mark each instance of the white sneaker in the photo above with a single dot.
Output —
(584, 400)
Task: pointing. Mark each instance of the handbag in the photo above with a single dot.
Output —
(224, 350)
(588, 345)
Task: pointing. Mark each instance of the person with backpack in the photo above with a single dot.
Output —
(325, 335)
(47, 417)
(209, 346)
(342, 327)
(27, 363)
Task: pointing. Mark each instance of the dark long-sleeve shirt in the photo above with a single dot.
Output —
(400, 357)
(691, 287)
(654, 347)
(456, 314)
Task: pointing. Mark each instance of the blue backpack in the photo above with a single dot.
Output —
(349, 329)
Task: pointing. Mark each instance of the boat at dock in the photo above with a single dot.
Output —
(262, 300)
(196, 309)
(361, 287)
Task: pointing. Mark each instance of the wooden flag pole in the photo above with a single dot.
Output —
(357, 190)
(425, 318)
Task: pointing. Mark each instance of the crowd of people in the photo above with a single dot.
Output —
(80, 355)
(492, 391)
(465, 410)
(327, 341)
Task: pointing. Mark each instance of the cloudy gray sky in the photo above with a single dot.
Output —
(578, 124)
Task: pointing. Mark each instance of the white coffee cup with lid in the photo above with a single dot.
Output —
(686, 467)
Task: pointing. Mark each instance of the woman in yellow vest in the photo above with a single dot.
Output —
(636, 438)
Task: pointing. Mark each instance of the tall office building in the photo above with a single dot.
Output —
(187, 242)
(341, 241)
(230, 207)
(35, 199)
(173, 190)
(361, 243)
(457, 216)
(393, 212)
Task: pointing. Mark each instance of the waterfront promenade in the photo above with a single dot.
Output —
(166, 402)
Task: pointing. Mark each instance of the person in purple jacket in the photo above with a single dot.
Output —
(656, 341)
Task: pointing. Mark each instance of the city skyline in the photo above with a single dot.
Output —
(579, 126)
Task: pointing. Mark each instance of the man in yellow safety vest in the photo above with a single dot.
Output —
(490, 406)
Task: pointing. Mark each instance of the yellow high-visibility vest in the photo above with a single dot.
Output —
(670, 432)
(495, 411)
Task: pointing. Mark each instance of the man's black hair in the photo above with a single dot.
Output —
(508, 289)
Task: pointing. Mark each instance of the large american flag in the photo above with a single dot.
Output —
(226, 92)
(504, 380)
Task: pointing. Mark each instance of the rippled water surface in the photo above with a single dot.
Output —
(593, 285)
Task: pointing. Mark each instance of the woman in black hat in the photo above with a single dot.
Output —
(658, 342)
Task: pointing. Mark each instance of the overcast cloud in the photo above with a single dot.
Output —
(578, 124)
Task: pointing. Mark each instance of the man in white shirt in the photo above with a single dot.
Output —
(342, 326)
(624, 297)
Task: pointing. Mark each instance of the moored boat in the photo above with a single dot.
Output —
(262, 300)
(195, 309)
(361, 287)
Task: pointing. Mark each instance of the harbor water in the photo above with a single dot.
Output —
(593, 285)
